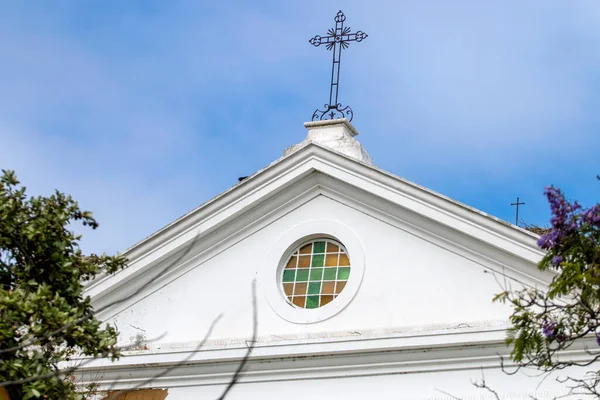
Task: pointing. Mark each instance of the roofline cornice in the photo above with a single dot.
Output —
(276, 176)
(463, 349)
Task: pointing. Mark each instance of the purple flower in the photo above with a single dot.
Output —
(550, 240)
(558, 204)
(556, 260)
(564, 219)
(598, 338)
(562, 211)
(549, 329)
(591, 216)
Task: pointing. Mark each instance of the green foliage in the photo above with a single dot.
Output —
(547, 322)
(44, 318)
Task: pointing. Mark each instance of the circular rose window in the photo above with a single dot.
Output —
(315, 273)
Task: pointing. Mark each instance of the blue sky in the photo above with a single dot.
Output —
(143, 110)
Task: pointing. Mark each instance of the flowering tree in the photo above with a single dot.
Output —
(44, 316)
(547, 322)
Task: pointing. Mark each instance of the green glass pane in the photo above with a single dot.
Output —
(329, 274)
(316, 274)
(319, 247)
(312, 302)
(318, 260)
(314, 288)
(288, 275)
(302, 275)
(343, 273)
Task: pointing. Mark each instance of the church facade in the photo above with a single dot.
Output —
(322, 276)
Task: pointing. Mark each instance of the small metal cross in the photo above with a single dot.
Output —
(517, 204)
(338, 38)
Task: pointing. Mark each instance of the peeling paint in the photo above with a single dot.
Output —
(139, 394)
(139, 342)
(337, 135)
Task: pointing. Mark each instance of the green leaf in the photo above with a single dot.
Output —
(41, 289)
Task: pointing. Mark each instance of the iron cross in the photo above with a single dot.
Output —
(337, 38)
(517, 204)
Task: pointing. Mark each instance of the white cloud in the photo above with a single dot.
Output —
(144, 114)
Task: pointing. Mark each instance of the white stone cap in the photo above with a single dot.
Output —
(337, 135)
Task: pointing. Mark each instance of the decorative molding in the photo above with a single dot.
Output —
(332, 122)
(465, 349)
(489, 257)
(283, 186)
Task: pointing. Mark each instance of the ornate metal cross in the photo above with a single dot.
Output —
(338, 38)
(517, 204)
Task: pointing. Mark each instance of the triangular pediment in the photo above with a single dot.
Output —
(414, 241)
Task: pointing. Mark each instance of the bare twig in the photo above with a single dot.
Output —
(180, 363)
(238, 371)
(478, 384)
(94, 312)
(52, 336)
(448, 394)
(483, 385)
(240, 368)
(69, 370)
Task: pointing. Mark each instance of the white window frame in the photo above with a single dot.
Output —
(283, 247)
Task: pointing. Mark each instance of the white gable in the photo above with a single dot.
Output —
(409, 281)
(425, 269)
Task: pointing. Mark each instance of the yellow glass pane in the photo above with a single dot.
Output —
(292, 262)
(326, 299)
(307, 249)
(331, 260)
(339, 287)
(300, 288)
(288, 288)
(344, 261)
(327, 288)
(299, 301)
(303, 261)
(332, 248)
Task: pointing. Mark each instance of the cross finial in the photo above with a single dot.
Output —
(517, 204)
(337, 38)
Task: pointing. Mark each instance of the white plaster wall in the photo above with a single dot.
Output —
(407, 282)
(422, 386)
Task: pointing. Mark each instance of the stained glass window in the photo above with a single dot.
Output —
(316, 273)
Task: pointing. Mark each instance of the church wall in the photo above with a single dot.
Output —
(424, 386)
(408, 283)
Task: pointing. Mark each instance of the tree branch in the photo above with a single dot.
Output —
(94, 312)
(240, 368)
